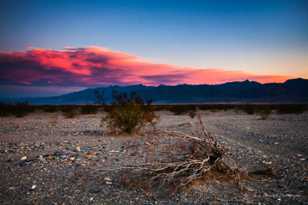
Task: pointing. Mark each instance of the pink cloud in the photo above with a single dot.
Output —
(94, 66)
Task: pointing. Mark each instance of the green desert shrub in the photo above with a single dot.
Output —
(129, 113)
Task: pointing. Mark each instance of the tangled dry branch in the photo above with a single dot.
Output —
(205, 161)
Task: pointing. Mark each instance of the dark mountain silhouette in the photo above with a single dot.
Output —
(291, 91)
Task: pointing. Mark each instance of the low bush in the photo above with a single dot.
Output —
(89, 109)
(50, 108)
(292, 109)
(264, 114)
(129, 113)
(70, 111)
(18, 110)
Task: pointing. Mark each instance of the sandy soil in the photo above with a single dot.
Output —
(48, 159)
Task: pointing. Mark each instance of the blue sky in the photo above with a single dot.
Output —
(263, 37)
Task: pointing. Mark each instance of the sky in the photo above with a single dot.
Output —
(51, 47)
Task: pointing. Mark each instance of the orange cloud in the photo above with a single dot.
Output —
(94, 66)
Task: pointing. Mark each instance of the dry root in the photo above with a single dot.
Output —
(204, 163)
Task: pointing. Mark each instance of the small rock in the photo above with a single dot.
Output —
(266, 162)
(90, 155)
(23, 158)
(85, 149)
(33, 187)
(78, 148)
(42, 159)
(230, 163)
(107, 179)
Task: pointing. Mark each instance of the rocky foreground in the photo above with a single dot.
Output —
(50, 159)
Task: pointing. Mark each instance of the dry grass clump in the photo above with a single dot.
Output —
(129, 113)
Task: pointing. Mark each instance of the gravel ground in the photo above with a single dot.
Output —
(48, 159)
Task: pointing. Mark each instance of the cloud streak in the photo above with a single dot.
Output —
(95, 66)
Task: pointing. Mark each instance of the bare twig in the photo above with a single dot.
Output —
(205, 159)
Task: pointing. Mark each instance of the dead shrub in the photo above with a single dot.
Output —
(129, 113)
(202, 160)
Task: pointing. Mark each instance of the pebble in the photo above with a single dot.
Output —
(267, 162)
(23, 158)
(42, 159)
(75, 151)
(108, 180)
(33, 187)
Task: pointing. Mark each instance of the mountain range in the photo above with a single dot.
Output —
(290, 91)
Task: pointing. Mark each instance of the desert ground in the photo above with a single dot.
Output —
(46, 158)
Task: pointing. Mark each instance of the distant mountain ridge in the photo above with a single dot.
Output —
(291, 91)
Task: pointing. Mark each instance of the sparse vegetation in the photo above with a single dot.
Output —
(178, 162)
(129, 113)
(264, 114)
(204, 162)
(22, 109)
(50, 108)
(89, 109)
(69, 111)
(18, 110)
